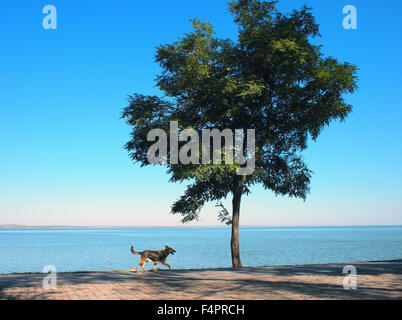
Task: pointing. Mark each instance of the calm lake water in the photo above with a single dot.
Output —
(29, 250)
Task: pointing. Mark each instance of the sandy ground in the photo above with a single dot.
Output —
(374, 280)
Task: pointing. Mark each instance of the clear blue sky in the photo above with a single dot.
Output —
(61, 140)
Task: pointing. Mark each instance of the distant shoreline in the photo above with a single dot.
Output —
(187, 227)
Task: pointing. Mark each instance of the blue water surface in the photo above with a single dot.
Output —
(29, 250)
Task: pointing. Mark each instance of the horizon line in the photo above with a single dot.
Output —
(17, 226)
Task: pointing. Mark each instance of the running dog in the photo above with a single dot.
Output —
(154, 256)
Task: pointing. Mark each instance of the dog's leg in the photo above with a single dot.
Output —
(142, 266)
(154, 267)
(164, 263)
(143, 262)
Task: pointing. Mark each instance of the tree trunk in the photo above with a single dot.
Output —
(234, 243)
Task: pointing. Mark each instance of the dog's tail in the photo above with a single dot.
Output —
(133, 251)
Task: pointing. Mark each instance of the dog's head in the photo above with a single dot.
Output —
(170, 250)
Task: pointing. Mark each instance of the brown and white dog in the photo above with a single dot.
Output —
(154, 256)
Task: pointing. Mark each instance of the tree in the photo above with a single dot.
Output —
(272, 79)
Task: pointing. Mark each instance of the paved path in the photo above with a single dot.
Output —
(375, 280)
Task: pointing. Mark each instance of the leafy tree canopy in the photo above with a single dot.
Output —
(272, 78)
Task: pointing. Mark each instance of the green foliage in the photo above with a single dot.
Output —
(272, 79)
(224, 215)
